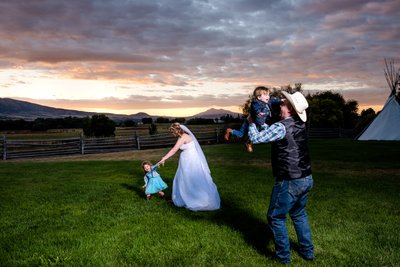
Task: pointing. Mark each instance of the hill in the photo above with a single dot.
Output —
(17, 109)
(215, 113)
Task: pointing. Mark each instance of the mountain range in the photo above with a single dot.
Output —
(17, 109)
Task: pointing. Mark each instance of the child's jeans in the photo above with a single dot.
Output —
(243, 129)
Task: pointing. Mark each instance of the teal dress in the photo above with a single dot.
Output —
(153, 181)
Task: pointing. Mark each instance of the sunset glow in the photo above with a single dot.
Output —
(173, 59)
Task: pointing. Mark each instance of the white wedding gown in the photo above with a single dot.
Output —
(193, 187)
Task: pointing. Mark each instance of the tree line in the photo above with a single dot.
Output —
(100, 125)
(43, 124)
(326, 110)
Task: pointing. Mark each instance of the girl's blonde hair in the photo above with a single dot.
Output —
(176, 129)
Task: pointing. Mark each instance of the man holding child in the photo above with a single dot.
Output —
(291, 167)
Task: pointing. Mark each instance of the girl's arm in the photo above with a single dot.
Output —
(155, 167)
(173, 150)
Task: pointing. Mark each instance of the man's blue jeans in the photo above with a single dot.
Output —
(290, 196)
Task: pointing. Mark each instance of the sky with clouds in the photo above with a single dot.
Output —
(181, 57)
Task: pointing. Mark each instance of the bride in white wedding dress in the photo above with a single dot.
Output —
(193, 187)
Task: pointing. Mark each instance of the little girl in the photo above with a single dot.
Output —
(152, 180)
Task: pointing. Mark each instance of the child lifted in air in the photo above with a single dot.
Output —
(260, 112)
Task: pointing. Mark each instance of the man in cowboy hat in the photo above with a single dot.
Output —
(291, 168)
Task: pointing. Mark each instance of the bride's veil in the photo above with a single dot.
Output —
(202, 158)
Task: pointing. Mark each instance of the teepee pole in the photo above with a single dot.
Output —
(391, 75)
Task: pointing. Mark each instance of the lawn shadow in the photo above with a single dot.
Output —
(255, 232)
(136, 186)
(137, 189)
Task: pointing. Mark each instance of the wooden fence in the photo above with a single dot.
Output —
(13, 149)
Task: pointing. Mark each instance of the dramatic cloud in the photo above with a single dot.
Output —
(139, 48)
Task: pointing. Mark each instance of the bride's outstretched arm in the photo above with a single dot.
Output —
(173, 150)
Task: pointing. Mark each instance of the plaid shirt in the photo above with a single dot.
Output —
(275, 132)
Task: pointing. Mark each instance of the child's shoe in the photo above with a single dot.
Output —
(148, 197)
(161, 194)
(227, 133)
(249, 147)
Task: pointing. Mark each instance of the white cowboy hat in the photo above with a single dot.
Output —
(299, 103)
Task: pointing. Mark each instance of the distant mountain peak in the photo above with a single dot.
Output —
(142, 114)
(213, 113)
(214, 110)
(17, 109)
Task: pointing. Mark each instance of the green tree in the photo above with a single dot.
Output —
(350, 115)
(366, 117)
(147, 120)
(199, 121)
(162, 120)
(40, 124)
(180, 120)
(326, 110)
(99, 126)
(129, 123)
(245, 108)
(288, 88)
(19, 124)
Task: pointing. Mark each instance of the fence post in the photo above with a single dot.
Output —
(4, 148)
(82, 144)
(137, 141)
(217, 134)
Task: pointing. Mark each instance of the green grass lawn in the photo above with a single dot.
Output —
(93, 212)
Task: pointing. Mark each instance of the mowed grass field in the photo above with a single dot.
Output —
(90, 210)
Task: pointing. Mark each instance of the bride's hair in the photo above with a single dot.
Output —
(176, 129)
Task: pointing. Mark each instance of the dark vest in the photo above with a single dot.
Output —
(290, 157)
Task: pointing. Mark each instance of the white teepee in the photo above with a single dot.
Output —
(386, 126)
